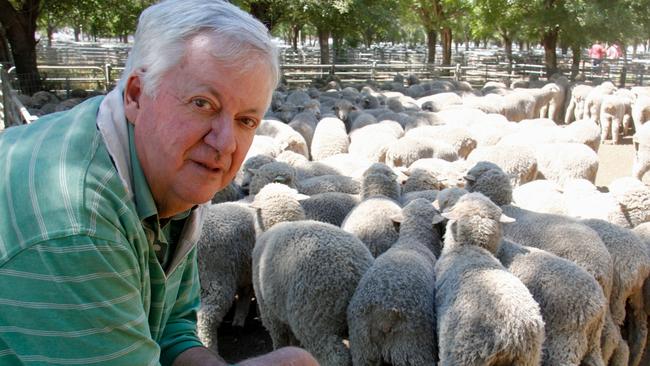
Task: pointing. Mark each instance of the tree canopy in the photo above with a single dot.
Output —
(550, 23)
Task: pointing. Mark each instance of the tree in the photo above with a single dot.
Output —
(502, 17)
(18, 19)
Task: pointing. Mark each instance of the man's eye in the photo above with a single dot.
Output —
(249, 122)
(202, 103)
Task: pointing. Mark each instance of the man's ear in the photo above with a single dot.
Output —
(132, 93)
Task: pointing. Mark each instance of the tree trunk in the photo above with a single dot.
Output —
(295, 33)
(77, 33)
(575, 62)
(323, 42)
(5, 54)
(50, 33)
(432, 38)
(507, 44)
(263, 10)
(20, 28)
(549, 40)
(446, 46)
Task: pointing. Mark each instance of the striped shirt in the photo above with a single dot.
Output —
(80, 282)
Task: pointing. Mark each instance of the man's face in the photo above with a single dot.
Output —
(192, 138)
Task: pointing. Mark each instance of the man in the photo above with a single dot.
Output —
(102, 205)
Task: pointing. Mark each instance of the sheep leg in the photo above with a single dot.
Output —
(637, 328)
(605, 126)
(416, 349)
(621, 354)
(610, 337)
(328, 349)
(569, 116)
(242, 306)
(280, 333)
(208, 320)
(594, 354)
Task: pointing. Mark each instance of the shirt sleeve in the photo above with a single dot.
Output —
(74, 300)
(180, 330)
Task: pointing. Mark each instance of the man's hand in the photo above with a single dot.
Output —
(288, 356)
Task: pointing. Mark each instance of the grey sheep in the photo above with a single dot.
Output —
(274, 172)
(569, 239)
(371, 222)
(391, 315)
(304, 167)
(421, 180)
(251, 164)
(380, 179)
(328, 183)
(571, 302)
(329, 207)
(304, 275)
(631, 260)
(485, 315)
(225, 254)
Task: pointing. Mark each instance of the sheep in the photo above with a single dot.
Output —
(305, 124)
(347, 164)
(420, 180)
(274, 172)
(287, 137)
(643, 232)
(571, 302)
(566, 238)
(231, 193)
(407, 150)
(642, 155)
(362, 119)
(631, 263)
(561, 161)
(575, 108)
(245, 174)
(485, 315)
(595, 99)
(457, 136)
(225, 249)
(371, 222)
(304, 275)
(450, 174)
(486, 176)
(305, 168)
(263, 145)
(641, 111)
(330, 138)
(583, 131)
(224, 261)
(438, 102)
(380, 179)
(329, 207)
(391, 315)
(612, 113)
(542, 196)
(582, 199)
(633, 197)
(328, 183)
(519, 162)
(371, 142)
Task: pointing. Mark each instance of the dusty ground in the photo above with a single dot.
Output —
(236, 344)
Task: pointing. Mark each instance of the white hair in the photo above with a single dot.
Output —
(165, 29)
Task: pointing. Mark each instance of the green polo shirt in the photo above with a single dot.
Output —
(80, 281)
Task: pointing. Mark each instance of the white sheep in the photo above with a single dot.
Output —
(633, 197)
(304, 274)
(287, 137)
(330, 138)
(519, 162)
(485, 315)
(542, 196)
(642, 156)
(561, 161)
(391, 315)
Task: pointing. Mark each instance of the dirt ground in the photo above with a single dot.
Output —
(236, 344)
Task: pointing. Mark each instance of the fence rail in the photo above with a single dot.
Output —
(63, 79)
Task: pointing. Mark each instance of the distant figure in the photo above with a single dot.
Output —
(614, 52)
(596, 53)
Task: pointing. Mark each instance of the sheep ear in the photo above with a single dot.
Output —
(397, 218)
(403, 170)
(253, 171)
(506, 219)
(470, 178)
(301, 197)
(280, 179)
(449, 215)
(438, 218)
(436, 205)
(256, 205)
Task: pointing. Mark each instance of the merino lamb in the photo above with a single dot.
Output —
(485, 315)
(304, 275)
(330, 138)
(391, 315)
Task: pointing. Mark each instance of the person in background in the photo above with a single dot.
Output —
(596, 53)
(102, 205)
(614, 52)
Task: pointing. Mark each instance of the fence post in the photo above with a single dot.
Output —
(372, 70)
(107, 76)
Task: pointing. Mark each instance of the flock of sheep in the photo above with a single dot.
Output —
(431, 223)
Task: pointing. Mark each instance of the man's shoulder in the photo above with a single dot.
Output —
(59, 180)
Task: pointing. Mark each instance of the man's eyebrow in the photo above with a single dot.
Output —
(216, 93)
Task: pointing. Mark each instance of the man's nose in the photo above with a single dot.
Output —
(222, 135)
